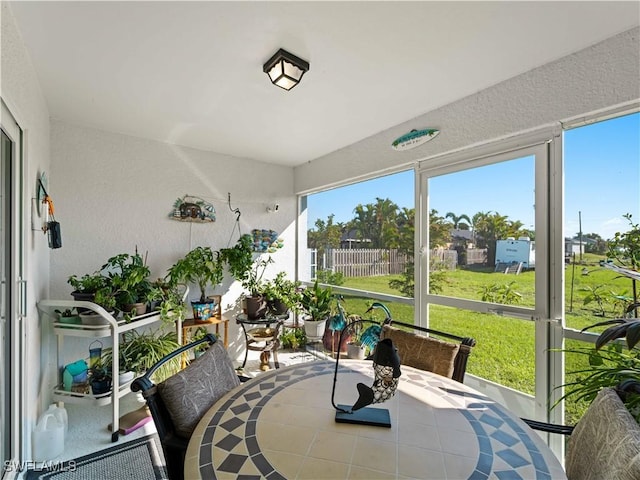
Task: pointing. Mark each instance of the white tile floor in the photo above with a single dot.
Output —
(88, 431)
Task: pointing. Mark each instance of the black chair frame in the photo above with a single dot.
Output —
(462, 357)
(174, 446)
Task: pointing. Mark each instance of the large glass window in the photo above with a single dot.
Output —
(602, 202)
(602, 187)
(482, 233)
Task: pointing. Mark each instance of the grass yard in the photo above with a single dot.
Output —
(505, 346)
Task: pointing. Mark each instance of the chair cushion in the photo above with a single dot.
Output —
(605, 442)
(188, 394)
(420, 351)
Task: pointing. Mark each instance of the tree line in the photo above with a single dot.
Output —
(385, 225)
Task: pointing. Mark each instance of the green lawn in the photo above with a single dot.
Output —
(505, 346)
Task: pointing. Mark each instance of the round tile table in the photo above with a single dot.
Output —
(281, 425)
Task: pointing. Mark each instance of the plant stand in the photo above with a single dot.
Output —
(110, 328)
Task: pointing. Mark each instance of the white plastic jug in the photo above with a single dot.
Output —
(48, 438)
(61, 416)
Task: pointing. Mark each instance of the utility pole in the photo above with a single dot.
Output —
(580, 234)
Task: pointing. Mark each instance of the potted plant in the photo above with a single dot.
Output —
(282, 294)
(611, 366)
(129, 279)
(239, 258)
(201, 266)
(316, 302)
(255, 301)
(141, 350)
(168, 299)
(94, 287)
(199, 334)
(355, 348)
(69, 316)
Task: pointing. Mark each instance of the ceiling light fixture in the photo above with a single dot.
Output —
(285, 69)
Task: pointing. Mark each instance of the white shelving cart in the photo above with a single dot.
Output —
(112, 328)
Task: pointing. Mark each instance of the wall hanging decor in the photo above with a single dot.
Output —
(193, 209)
(44, 204)
(266, 241)
(414, 138)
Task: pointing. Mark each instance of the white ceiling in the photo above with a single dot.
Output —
(190, 73)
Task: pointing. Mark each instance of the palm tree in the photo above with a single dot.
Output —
(456, 219)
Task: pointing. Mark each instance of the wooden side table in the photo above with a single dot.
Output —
(217, 319)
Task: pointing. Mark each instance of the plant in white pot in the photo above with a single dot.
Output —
(315, 301)
(355, 348)
(204, 267)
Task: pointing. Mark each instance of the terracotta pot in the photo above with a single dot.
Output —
(330, 340)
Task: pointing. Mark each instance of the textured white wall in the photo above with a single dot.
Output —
(114, 193)
(21, 92)
(597, 77)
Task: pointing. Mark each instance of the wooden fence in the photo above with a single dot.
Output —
(365, 262)
(368, 262)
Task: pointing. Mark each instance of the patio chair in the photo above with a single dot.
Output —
(604, 444)
(179, 402)
(429, 353)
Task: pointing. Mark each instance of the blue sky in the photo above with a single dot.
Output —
(602, 180)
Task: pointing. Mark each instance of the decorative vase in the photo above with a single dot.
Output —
(203, 311)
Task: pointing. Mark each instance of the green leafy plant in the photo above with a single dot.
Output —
(330, 277)
(625, 247)
(89, 282)
(253, 279)
(609, 364)
(608, 367)
(168, 299)
(129, 278)
(500, 293)
(281, 289)
(596, 293)
(199, 334)
(141, 350)
(293, 338)
(239, 258)
(201, 266)
(316, 301)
